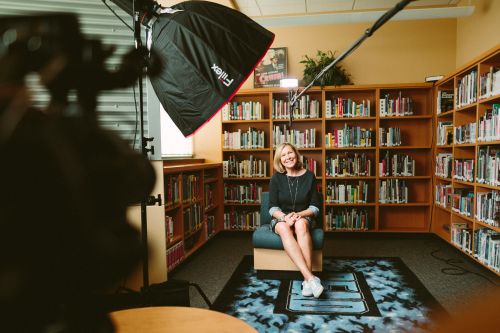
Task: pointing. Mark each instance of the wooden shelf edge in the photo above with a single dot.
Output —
(348, 204)
(491, 187)
(448, 210)
(172, 207)
(176, 239)
(408, 204)
(242, 204)
(488, 143)
(467, 218)
(486, 225)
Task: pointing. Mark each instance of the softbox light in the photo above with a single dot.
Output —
(208, 51)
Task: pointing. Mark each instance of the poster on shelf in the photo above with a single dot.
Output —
(271, 69)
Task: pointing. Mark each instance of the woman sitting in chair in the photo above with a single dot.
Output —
(294, 203)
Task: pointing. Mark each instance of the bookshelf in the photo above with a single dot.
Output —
(193, 208)
(466, 180)
(338, 132)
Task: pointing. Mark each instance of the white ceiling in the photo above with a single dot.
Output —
(301, 12)
(288, 7)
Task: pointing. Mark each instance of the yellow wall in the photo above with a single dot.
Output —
(479, 32)
(399, 52)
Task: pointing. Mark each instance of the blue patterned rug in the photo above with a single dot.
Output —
(361, 295)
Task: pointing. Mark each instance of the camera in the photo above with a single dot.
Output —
(66, 182)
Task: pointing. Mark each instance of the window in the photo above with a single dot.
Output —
(116, 109)
(173, 142)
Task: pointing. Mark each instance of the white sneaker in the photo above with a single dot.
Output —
(315, 286)
(306, 289)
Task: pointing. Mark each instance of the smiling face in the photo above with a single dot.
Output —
(288, 158)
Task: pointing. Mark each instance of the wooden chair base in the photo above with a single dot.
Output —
(278, 260)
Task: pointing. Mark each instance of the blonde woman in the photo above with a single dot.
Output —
(294, 203)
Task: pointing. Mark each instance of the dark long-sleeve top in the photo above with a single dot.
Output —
(307, 194)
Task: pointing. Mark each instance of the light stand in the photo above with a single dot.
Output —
(368, 32)
(144, 150)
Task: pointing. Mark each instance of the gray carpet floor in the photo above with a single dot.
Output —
(212, 266)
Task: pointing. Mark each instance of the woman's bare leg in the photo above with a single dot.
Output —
(304, 240)
(293, 249)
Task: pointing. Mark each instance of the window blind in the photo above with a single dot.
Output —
(116, 109)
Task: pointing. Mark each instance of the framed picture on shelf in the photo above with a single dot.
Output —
(272, 68)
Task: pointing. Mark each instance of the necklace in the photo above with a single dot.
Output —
(290, 186)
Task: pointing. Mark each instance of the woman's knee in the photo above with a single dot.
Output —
(283, 229)
(302, 226)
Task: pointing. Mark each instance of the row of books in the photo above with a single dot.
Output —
(443, 165)
(396, 165)
(252, 167)
(487, 203)
(444, 133)
(348, 165)
(464, 170)
(192, 218)
(488, 166)
(347, 219)
(396, 107)
(389, 137)
(251, 139)
(489, 124)
(172, 193)
(190, 188)
(309, 164)
(346, 192)
(210, 225)
(169, 224)
(242, 111)
(487, 247)
(175, 255)
(346, 108)
(444, 101)
(461, 236)
(209, 193)
(305, 139)
(241, 220)
(349, 136)
(462, 202)
(489, 83)
(238, 193)
(443, 195)
(488, 129)
(305, 108)
(488, 207)
(393, 191)
(486, 243)
(465, 133)
(466, 90)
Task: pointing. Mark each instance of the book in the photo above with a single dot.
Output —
(382, 109)
(445, 101)
(433, 78)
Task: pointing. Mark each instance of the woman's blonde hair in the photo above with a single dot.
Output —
(277, 157)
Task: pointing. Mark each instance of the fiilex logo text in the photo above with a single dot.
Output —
(222, 75)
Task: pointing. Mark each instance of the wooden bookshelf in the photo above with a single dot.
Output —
(416, 132)
(193, 208)
(469, 231)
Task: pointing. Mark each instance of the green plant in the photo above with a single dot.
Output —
(335, 76)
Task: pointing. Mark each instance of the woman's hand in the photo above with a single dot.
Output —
(291, 218)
